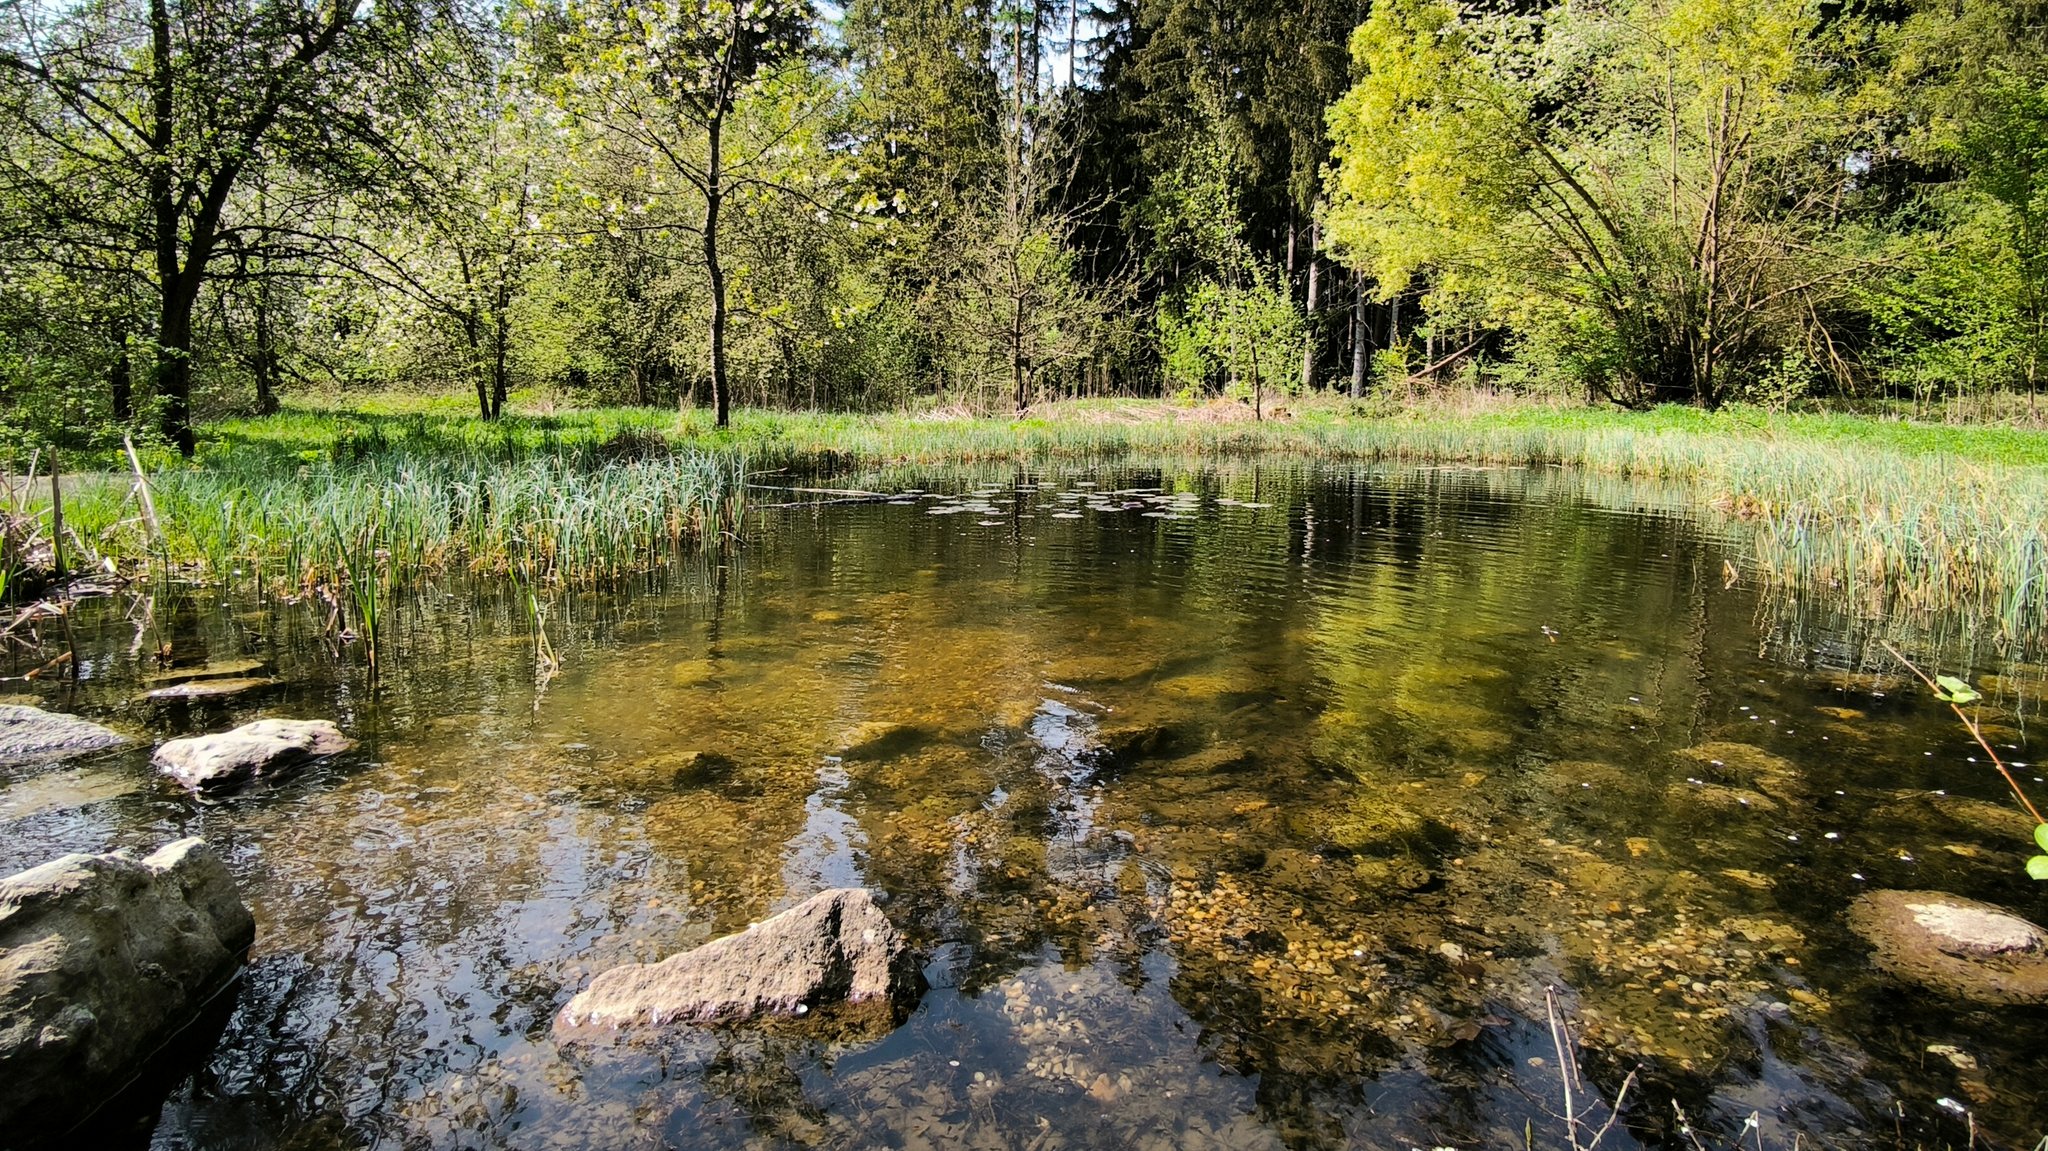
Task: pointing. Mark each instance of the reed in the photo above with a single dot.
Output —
(1893, 515)
(371, 520)
(1885, 511)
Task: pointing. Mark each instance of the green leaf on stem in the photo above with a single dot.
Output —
(1949, 689)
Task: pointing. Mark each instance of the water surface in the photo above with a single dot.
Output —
(1241, 809)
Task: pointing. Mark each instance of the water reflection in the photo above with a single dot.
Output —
(1236, 809)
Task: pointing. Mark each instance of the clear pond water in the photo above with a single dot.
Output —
(1252, 808)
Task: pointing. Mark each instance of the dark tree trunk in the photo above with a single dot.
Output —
(266, 357)
(484, 390)
(173, 375)
(174, 367)
(121, 380)
(500, 363)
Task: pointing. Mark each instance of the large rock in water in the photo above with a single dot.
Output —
(256, 750)
(1971, 950)
(30, 734)
(103, 958)
(834, 958)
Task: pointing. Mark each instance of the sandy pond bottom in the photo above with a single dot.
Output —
(1230, 810)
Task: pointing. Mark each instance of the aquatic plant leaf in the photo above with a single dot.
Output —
(1952, 690)
(2041, 835)
(2038, 867)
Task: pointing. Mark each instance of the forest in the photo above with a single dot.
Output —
(206, 205)
(1182, 575)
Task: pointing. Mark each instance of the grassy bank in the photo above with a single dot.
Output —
(1926, 515)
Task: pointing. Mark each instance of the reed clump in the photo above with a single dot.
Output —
(359, 517)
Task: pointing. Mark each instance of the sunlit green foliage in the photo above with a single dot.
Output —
(1650, 188)
(906, 203)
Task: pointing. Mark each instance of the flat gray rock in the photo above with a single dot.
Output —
(1968, 949)
(835, 958)
(259, 750)
(208, 688)
(213, 669)
(103, 958)
(32, 735)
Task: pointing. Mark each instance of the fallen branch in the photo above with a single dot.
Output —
(1431, 370)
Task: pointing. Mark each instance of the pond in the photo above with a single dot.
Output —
(1242, 808)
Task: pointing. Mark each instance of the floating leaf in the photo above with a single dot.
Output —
(2041, 835)
(2038, 867)
(1952, 690)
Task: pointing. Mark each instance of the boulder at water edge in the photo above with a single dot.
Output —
(103, 958)
(1959, 946)
(265, 748)
(834, 959)
(30, 734)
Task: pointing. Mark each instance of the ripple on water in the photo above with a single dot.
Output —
(1241, 808)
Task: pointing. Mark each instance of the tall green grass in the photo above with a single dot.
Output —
(1929, 516)
(1891, 513)
(405, 513)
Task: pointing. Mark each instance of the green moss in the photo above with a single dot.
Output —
(1374, 827)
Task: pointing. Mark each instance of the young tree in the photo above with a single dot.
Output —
(1017, 308)
(664, 81)
(456, 245)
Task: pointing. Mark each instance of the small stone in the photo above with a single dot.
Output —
(835, 950)
(1973, 950)
(207, 689)
(1750, 879)
(259, 750)
(1957, 1057)
(30, 735)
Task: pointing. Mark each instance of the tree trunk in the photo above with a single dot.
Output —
(120, 380)
(174, 365)
(714, 195)
(1308, 351)
(1361, 338)
(266, 357)
(1073, 38)
(501, 340)
(173, 375)
(1037, 43)
(500, 373)
(471, 333)
(1258, 386)
(1017, 350)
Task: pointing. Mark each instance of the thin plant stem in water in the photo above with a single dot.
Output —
(1976, 734)
(1574, 1085)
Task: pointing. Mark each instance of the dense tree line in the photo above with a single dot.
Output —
(990, 203)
